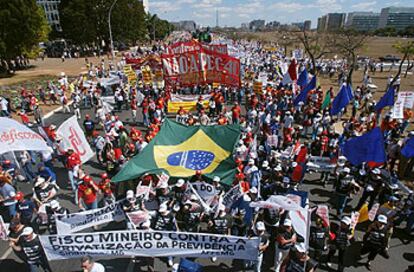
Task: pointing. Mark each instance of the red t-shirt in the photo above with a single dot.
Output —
(73, 160)
(87, 193)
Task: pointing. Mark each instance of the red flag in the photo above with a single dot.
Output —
(292, 70)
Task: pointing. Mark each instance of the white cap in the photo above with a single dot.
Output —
(346, 220)
(376, 171)
(286, 180)
(54, 204)
(287, 223)
(251, 161)
(52, 126)
(130, 194)
(12, 194)
(370, 188)
(188, 202)
(253, 190)
(300, 247)
(346, 170)
(278, 168)
(163, 208)
(265, 164)
(180, 182)
(288, 113)
(260, 226)
(216, 179)
(362, 172)
(39, 181)
(27, 231)
(294, 164)
(382, 219)
(193, 197)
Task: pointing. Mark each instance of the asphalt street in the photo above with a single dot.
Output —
(401, 255)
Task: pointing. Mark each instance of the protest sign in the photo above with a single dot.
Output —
(15, 136)
(205, 191)
(323, 212)
(70, 223)
(143, 191)
(232, 196)
(408, 98)
(73, 137)
(373, 212)
(138, 217)
(149, 244)
(320, 164)
(3, 230)
(200, 67)
(265, 205)
(163, 180)
(354, 220)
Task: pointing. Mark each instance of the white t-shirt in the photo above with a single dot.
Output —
(97, 267)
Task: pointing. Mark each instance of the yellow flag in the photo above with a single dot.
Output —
(363, 213)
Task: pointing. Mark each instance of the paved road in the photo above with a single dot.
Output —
(401, 255)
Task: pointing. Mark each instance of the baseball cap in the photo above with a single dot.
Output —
(163, 208)
(39, 181)
(253, 190)
(287, 223)
(300, 247)
(278, 168)
(376, 171)
(260, 225)
(27, 231)
(347, 170)
(346, 220)
(54, 204)
(265, 164)
(180, 183)
(216, 179)
(382, 219)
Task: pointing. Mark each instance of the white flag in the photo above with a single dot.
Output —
(74, 138)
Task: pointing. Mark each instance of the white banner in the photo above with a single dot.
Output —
(74, 138)
(188, 97)
(323, 212)
(17, 137)
(149, 244)
(320, 164)
(70, 223)
(206, 191)
(265, 205)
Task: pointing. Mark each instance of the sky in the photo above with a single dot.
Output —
(235, 12)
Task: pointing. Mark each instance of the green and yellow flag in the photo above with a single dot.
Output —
(180, 151)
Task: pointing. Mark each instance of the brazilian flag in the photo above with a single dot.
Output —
(180, 151)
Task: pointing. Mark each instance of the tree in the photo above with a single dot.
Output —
(22, 26)
(315, 46)
(86, 22)
(158, 28)
(347, 42)
(406, 49)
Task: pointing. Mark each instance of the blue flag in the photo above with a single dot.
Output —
(386, 100)
(408, 148)
(366, 148)
(342, 99)
(303, 78)
(304, 93)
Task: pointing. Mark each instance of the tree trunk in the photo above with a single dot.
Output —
(399, 70)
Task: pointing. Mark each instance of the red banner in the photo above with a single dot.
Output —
(183, 47)
(200, 67)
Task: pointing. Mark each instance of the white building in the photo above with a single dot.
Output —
(51, 8)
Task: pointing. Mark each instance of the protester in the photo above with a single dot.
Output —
(89, 265)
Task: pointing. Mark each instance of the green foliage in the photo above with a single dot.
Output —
(86, 22)
(161, 28)
(22, 26)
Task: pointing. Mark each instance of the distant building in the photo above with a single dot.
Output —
(299, 25)
(331, 22)
(51, 8)
(273, 25)
(307, 25)
(398, 17)
(257, 25)
(189, 26)
(363, 21)
(244, 26)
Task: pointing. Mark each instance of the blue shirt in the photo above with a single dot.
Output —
(47, 173)
(26, 208)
